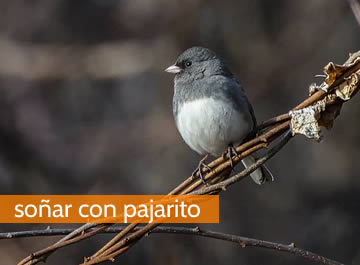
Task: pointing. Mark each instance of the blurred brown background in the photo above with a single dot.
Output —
(86, 109)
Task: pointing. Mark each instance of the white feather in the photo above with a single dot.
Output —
(209, 126)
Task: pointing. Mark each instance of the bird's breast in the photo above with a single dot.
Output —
(209, 126)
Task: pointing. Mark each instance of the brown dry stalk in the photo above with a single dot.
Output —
(194, 231)
(270, 131)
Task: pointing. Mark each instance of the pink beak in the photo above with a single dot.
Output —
(173, 69)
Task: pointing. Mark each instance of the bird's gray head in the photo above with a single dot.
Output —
(197, 62)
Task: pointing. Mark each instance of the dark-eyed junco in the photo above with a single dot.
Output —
(211, 110)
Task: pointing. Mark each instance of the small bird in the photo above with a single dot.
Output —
(211, 110)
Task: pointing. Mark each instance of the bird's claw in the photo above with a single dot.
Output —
(199, 169)
(231, 150)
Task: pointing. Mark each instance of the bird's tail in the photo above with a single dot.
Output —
(261, 174)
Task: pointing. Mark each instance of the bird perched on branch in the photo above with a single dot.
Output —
(211, 110)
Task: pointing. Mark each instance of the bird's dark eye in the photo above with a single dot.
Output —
(188, 63)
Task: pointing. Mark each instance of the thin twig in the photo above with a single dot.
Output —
(243, 241)
(42, 255)
(113, 247)
(224, 184)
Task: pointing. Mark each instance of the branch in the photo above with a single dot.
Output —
(340, 85)
(236, 178)
(118, 244)
(195, 231)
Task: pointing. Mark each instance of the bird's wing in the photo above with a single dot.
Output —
(230, 90)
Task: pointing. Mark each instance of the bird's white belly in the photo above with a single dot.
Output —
(209, 126)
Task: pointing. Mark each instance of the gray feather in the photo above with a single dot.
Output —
(210, 107)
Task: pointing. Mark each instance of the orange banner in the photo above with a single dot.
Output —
(109, 208)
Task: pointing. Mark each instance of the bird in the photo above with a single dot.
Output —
(211, 110)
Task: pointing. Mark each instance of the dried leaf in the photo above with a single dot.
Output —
(314, 88)
(305, 121)
(333, 71)
(346, 91)
(352, 58)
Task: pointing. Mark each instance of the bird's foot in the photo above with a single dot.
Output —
(200, 167)
(230, 151)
